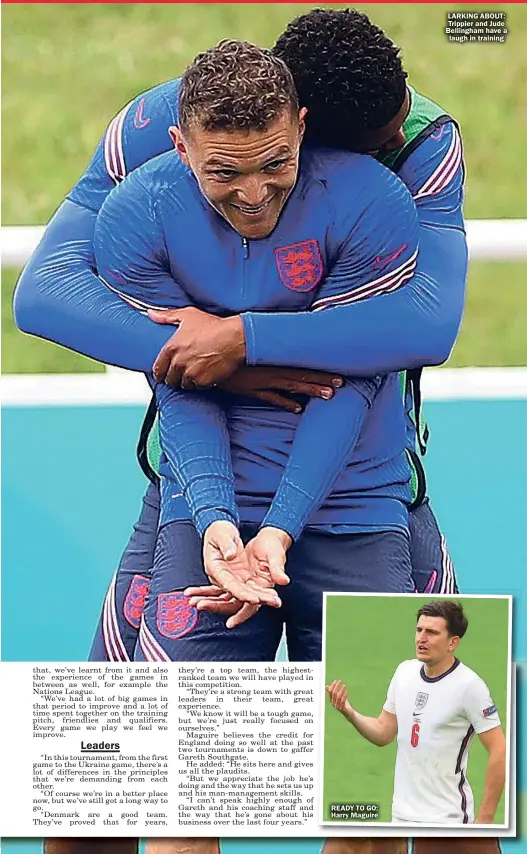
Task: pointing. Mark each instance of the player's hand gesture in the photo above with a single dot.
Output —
(227, 565)
(217, 601)
(338, 697)
(267, 554)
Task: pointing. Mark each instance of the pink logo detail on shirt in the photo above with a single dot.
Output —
(139, 119)
(438, 134)
(382, 261)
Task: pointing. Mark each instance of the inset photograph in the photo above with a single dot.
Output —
(416, 710)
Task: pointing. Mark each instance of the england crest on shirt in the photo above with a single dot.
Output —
(300, 265)
(420, 700)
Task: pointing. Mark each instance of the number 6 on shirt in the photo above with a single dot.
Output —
(414, 740)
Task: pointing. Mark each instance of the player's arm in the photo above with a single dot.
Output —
(379, 731)
(323, 443)
(329, 430)
(130, 254)
(494, 743)
(196, 443)
(59, 296)
(405, 328)
(482, 714)
(322, 446)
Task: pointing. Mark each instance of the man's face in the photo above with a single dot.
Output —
(245, 175)
(387, 138)
(433, 644)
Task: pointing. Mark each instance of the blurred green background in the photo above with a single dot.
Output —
(68, 68)
(367, 637)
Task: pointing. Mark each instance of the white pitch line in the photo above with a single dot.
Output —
(488, 240)
(109, 389)
(125, 388)
(475, 383)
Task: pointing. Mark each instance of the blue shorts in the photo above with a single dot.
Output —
(117, 634)
(171, 630)
(432, 568)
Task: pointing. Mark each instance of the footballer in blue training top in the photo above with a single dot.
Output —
(229, 222)
(416, 324)
(60, 297)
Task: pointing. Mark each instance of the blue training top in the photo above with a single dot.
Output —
(349, 230)
(60, 297)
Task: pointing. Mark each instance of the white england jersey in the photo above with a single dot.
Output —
(436, 721)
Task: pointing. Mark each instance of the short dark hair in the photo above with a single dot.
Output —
(235, 86)
(347, 72)
(452, 613)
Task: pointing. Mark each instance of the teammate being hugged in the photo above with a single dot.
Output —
(59, 296)
(435, 705)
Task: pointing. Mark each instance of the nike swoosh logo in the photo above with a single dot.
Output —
(416, 714)
(438, 133)
(382, 260)
(139, 119)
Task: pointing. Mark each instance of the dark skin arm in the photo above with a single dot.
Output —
(267, 383)
(207, 350)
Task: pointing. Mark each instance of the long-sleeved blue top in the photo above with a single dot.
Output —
(349, 229)
(60, 297)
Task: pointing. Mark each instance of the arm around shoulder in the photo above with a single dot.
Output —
(59, 297)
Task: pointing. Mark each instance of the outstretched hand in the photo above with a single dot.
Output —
(251, 574)
(227, 565)
(338, 696)
(267, 553)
